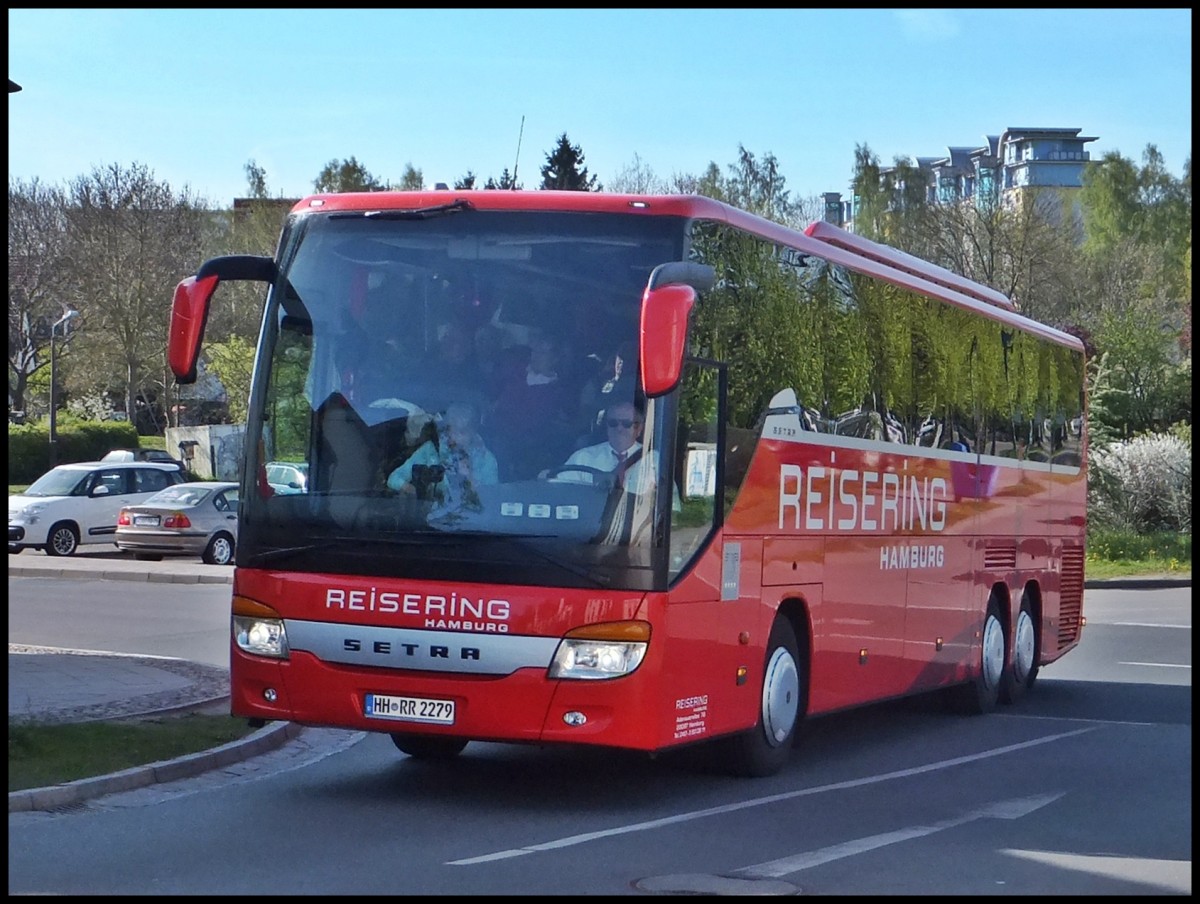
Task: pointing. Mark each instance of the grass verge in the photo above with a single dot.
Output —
(1120, 554)
(41, 755)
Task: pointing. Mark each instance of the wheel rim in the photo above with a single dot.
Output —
(1025, 647)
(222, 551)
(63, 542)
(993, 651)
(781, 697)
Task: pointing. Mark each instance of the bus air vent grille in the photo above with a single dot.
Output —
(1070, 608)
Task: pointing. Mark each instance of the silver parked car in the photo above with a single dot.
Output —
(198, 518)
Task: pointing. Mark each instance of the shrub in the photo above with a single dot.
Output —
(28, 444)
(1143, 484)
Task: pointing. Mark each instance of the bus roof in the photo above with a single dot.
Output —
(820, 239)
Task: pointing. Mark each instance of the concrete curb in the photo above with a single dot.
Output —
(1144, 583)
(93, 572)
(68, 794)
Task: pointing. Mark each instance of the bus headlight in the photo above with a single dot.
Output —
(260, 636)
(258, 629)
(608, 650)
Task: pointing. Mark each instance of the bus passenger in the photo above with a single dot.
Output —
(528, 422)
(449, 467)
(452, 372)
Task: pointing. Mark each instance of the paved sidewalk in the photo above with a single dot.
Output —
(50, 684)
(116, 566)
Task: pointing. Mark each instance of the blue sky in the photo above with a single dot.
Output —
(194, 94)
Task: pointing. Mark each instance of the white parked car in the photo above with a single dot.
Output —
(76, 504)
(286, 477)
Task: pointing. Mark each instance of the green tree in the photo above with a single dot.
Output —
(1122, 202)
(466, 183)
(411, 180)
(256, 177)
(232, 361)
(870, 197)
(346, 175)
(253, 229)
(131, 239)
(637, 178)
(1137, 271)
(507, 182)
(38, 282)
(564, 169)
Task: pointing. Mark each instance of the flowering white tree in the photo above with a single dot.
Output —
(1144, 483)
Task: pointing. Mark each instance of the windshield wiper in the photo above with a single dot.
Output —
(349, 544)
(430, 537)
(416, 213)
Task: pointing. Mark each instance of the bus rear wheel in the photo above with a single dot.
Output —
(426, 747)
(980, 695)
(764, 749)
(1027, 650)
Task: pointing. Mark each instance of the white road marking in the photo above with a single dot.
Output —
(572, 840)
(1006, 809)
(1132, 624)
(1158, 665)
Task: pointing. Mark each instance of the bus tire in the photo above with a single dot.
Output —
(980, 695)
(427, 747)
(764, 749)
(1026, 652)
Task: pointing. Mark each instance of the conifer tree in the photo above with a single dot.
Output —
(564, 169)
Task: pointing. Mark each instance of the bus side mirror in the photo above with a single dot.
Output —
(189, 314)
(193, 297)
(664, 337)
(666, 305)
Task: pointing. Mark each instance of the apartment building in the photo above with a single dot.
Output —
(1019, 159)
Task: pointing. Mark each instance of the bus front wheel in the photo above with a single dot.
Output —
(764, 749)
(427, 747)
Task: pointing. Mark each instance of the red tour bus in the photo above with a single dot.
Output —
(853, 475)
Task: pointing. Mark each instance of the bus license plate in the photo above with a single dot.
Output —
(409, 709)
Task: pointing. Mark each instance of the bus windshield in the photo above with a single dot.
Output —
(459, 390)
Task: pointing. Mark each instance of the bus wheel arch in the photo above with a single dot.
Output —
(1025, 641)
(783, 700)
(796, 611)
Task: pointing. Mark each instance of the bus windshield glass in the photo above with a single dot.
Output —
(455, 392)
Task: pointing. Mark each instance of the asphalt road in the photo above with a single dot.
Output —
(1083, 788)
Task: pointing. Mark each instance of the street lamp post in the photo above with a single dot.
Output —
(63, 321)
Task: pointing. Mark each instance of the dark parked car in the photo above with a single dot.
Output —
(156, 455)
